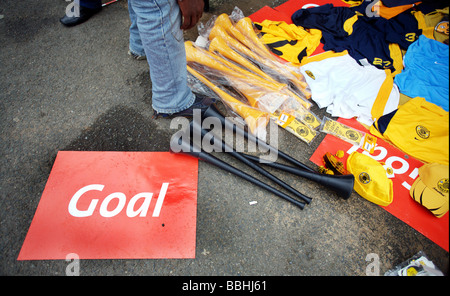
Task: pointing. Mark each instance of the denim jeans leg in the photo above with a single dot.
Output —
(158, 22)
(135, 45)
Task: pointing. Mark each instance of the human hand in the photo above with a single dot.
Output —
(192, 11)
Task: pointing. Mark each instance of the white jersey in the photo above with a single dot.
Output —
(348, 89)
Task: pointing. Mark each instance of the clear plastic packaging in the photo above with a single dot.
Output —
(265, 95)
(342, 131)
(229, 60)
(296, 127)
(241, 35)
(365, 141)
(255, 119)
(418, 265)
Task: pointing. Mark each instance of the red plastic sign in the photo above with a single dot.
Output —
(116, 205)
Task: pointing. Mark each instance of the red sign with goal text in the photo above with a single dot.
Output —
(116, 205)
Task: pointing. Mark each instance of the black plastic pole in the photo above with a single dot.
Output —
(196, 128)
(187, 148)
(341, 184)
(212, 111)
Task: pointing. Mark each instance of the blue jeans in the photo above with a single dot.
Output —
(155, 32)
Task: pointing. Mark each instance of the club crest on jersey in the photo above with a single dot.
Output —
(442, 185)
(422, 132)
(310, 74)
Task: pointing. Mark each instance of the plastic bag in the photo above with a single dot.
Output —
(351, 135)
(255, 119)
(296, 127)
(342, 131)
(242, 37)
(229, 60)
(418, 265)
(262, 94)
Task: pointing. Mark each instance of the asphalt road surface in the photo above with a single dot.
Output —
(77, 89)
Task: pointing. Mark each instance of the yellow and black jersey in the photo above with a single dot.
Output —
(289, 41)
(419, 128)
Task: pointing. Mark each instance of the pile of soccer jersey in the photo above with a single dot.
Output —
(378, 56)
(386, 63)
(365, 52)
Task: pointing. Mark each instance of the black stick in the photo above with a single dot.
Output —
(341, 184)
(196, 128)
(187, 148)
(212, 111)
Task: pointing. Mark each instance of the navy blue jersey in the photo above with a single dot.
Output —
(344, 28)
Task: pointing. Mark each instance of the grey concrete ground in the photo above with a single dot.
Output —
(77, 89)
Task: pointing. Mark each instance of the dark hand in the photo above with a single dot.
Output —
(192, 11)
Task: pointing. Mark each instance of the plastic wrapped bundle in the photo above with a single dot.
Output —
(255, 119)
(250, 45)
(243, 73)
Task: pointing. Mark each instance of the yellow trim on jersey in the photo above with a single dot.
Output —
(322, 56)
(426, 30)
(382, 96)
(397, 58)
(348, 24)
(353, 3)
(394, 49)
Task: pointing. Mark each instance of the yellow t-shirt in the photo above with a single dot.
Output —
(419, 128)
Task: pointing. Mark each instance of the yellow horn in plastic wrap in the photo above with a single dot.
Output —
(245, 26)
(224, 21)
(218, 31)
(251, 85)
(195, 54)
(256, 120)
(219, 45)
(253, 52)
(265, 95)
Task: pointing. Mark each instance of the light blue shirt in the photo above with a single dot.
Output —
(426, 72)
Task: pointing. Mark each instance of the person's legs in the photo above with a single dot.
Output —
(158, 22)
(135, 47)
